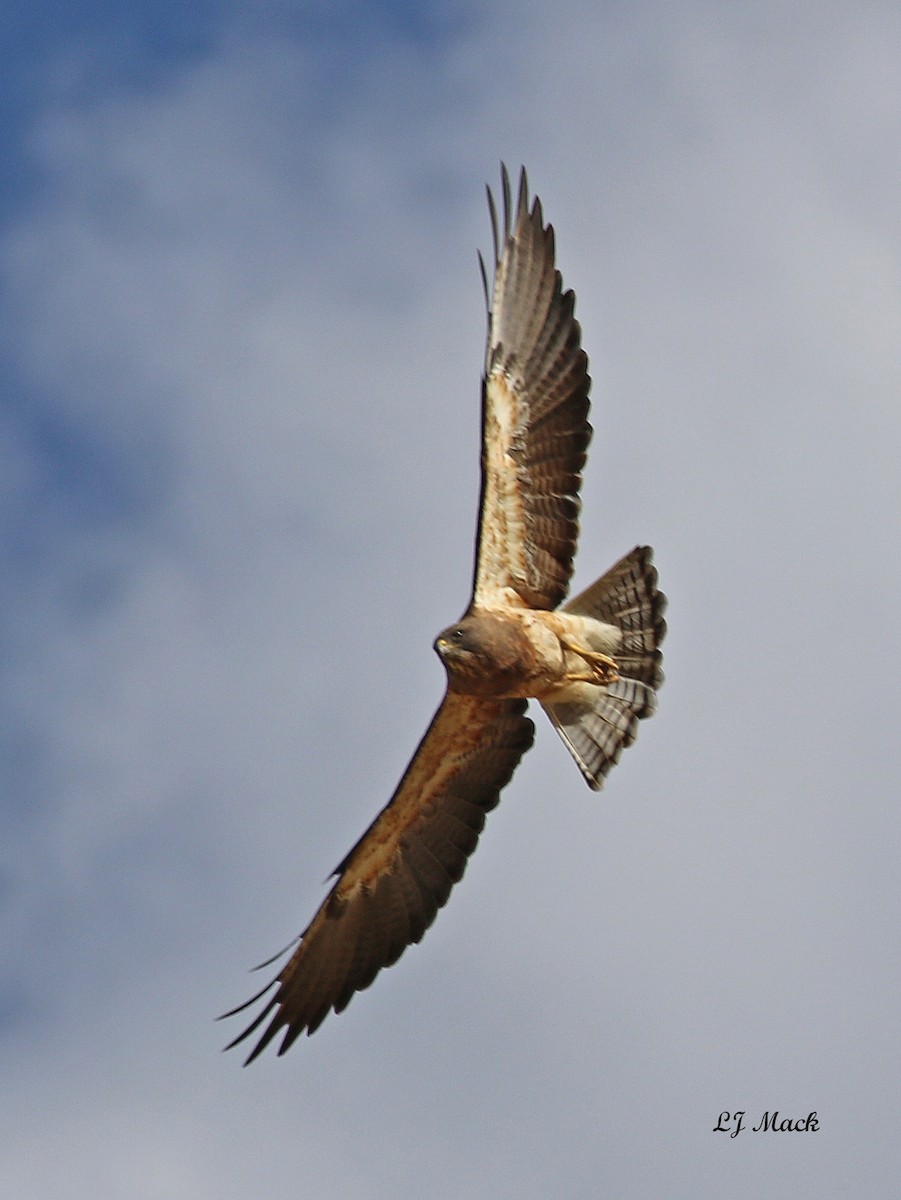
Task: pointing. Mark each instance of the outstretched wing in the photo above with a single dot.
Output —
(392, 883)
(535, 429)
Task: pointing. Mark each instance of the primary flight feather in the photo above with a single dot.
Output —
(593, 664)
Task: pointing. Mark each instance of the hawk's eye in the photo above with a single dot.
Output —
(457, 636)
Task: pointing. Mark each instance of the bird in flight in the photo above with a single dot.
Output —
(594, 663)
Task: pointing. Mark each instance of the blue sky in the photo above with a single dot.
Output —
(240, 348)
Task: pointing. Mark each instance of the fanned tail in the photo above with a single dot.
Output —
(600, 722)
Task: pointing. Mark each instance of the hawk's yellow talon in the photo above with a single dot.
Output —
(602, 669)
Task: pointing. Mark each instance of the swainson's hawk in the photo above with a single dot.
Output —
(593, 664)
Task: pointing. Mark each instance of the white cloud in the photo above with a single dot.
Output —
(260, 297)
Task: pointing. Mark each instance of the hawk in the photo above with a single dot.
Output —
(594, 663)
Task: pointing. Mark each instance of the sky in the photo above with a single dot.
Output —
(241, 338)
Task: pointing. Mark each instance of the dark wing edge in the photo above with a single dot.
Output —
(401, 871)
(535, 429)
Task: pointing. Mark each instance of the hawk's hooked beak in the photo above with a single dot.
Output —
(446, 648)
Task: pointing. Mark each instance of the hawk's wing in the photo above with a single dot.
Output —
(535, 428)
(392, 883)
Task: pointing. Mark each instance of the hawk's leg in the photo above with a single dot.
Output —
(599, 668)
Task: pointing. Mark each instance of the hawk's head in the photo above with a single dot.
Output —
(485, 654)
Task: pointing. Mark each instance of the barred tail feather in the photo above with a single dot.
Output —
(598, 723)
